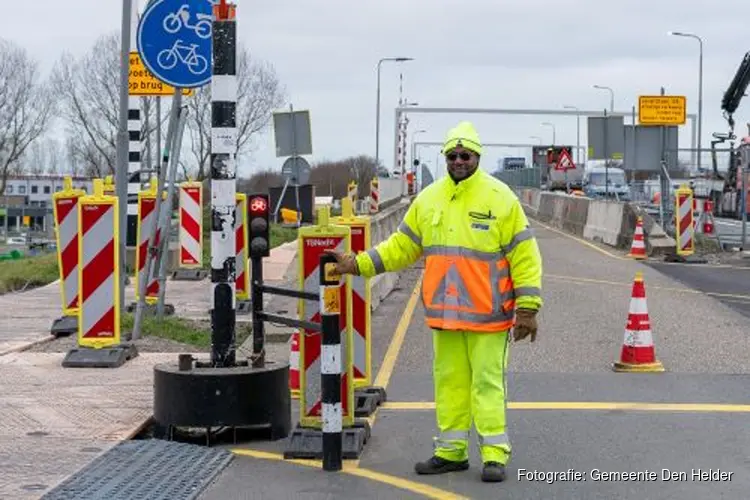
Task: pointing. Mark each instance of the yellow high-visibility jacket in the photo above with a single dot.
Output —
(481, 258)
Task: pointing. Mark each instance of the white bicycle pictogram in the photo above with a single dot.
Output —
(173, 22)
(186, 54)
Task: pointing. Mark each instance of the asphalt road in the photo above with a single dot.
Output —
(568, 412)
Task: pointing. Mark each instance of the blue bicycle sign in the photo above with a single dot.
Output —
(174, 41)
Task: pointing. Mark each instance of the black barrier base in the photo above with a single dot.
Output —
(191, 393)
(367, 400)
(685, 259)
(106, 357)
(150, 309)
(308, 443)
(244, 307)
(64, 326)
(189, 274)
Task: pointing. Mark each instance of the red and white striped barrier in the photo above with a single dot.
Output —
(294, 365)
(242, 279)
(98, 274)
(147, 218)
(684, 221)
(65, 210)
(191, 225)
(374, 195)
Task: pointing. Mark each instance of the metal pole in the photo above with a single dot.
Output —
(223, 188)
(171, 129)
(377, 119)
(330, 374)
(700, 101)
(158, 131)
(121, 171)
(743, 202)
(165, 219)
(606, 156)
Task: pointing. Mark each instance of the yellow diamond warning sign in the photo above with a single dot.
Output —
(141, 82)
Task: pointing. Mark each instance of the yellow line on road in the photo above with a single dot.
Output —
(351, 469)
(582, 241)
(562, 405)
(576, 279)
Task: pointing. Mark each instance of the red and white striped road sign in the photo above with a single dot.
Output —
(191, 225)
(98, 274)
(374, 195)
(360, 242)
(65, 210)
(684, 221)
(147, 218)
(294, 365)
(311, 248)
(242, 279)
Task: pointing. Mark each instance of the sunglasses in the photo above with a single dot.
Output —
(463, 156)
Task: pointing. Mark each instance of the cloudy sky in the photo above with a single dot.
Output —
(539, 54)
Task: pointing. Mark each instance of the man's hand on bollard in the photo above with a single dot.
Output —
(525, 325)
(345, 263)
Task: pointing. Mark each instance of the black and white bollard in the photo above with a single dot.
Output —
(330, 363)
(223, 185)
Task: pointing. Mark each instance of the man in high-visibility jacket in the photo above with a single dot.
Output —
(482, 278)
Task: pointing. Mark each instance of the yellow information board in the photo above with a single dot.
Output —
(662, 110)
(141, 82)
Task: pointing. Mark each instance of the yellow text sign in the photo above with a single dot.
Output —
(662, 110)
(142, 82)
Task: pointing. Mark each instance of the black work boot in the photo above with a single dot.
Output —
(493, 472)
(437, 465)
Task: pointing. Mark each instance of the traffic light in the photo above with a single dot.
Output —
(258, 207)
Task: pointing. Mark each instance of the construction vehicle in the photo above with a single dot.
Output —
(728, 202)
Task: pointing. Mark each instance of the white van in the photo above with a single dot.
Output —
(602, 181)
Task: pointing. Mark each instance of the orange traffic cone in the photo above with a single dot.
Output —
(294, 365)
(638, 247)
(638, 353)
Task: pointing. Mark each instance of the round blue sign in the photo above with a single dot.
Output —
(174, 41)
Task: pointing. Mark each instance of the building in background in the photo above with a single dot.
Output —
(28, 198)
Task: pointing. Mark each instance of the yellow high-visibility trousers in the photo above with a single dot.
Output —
(469, 377)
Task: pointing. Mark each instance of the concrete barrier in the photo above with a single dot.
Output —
(609, 222)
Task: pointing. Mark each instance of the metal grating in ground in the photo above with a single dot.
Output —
(152, 469)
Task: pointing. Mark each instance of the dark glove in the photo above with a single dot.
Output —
(525, 325)
(345, 263)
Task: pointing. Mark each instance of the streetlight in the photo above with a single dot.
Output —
(554, 140)
(611, 96)
(536, 137)
(700, 85)
(578, 133)
(377, 105)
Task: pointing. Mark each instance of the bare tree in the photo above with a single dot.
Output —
(259, 93)
(333, 177)
(25, 107)
(89, 90)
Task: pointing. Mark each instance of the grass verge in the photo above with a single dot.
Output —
(29, 272)
(195, 333)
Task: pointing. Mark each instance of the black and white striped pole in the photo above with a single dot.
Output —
(330, 363)
(223, 184)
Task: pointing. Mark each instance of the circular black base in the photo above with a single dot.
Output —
(240, 396)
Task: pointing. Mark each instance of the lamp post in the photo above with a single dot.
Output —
(700, 86)
(578, 134)
(537, 138)
(377, 105)
(554, 132)
(414, 145)
(611, 96)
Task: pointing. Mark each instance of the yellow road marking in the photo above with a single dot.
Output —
(581, 241)
(351, 469)
(575, 279)
(591, 405)
(385, 372)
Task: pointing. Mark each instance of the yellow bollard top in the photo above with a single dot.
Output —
(324, 215)
(67, 183)
(347, 210)
(98, 187)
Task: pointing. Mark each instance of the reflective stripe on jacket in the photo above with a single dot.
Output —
(482, 260)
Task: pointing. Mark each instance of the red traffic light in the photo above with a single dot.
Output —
(258, 204)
